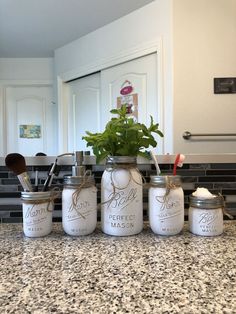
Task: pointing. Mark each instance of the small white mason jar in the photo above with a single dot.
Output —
(121, 197)
(206, 215)
(37, 213)
(166, 205)
(79, 205)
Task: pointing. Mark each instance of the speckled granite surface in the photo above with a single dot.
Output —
(103, 274)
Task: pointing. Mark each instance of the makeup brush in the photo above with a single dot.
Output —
(16, 163)
(36, 182)
(50, 176)
(56, 172)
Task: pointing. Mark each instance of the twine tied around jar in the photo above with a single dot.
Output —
(55, 193)
(168, 185)
(86, 183)
(125, 166)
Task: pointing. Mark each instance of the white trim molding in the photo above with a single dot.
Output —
(123, 56)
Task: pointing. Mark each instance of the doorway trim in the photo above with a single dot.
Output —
(99, 65)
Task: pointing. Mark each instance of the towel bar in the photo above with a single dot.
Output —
(187, 135)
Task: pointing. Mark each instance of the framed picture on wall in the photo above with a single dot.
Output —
(30, 131)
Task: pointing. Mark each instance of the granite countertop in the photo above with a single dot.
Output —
(145, 273)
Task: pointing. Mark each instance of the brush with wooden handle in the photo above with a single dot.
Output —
(16, 163)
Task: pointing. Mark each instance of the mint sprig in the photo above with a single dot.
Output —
(123, 137)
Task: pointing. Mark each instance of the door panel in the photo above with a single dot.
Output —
(133, 83)
(83, 110)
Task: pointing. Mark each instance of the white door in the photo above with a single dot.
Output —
(133, 83)
(30, 120)
(91, 98)
(83, 110)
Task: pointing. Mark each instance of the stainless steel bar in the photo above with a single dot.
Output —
(187, 135)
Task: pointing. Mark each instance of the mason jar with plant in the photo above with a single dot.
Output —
(122, 141)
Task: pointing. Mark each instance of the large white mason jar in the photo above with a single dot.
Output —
(166, 205)
(79, 205)
(37, 213)
(121, 197)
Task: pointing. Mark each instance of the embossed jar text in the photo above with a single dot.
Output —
(37, 213)
(79, 205)
(206, 215)
(121, 197)
(166, 205)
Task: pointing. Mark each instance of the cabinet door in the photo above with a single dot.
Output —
(30, 120)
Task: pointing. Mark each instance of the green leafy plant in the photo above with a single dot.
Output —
(123, 137)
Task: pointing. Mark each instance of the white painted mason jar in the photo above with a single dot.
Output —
(79, 205)
(37, 213)
(206, 215)
(166, 205)
(121, 197)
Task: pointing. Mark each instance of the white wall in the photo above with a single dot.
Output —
(204, 48)
(147, 24)
(143, 25)
(26, 69)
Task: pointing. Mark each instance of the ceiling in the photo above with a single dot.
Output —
(35, 28)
